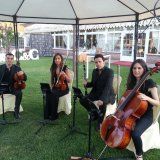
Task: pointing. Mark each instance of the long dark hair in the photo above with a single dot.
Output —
(131, 81)
(54, 66)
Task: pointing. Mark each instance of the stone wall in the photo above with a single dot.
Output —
(42, 42)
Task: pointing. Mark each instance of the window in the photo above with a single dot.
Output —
(141, 44)
(113, 42)
(91, 41)
(127, 44)
(21, 42)
(154, 42)
(81, 41)
(61, 41)
(101, 41)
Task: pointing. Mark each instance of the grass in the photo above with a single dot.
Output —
(19, 141)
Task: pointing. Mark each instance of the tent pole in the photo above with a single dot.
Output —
(77, 49)
(16, 39)
(136, 36)
(74, 51)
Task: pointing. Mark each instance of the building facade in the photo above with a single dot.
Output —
(114, 39)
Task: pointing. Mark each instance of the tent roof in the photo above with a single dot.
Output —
(67, 11)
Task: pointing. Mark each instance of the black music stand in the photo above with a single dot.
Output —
(45, 88)
(73, 129)
(4, 88)
(93, 113)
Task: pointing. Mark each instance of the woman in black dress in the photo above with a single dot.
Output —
(60, 77)
(149, 93)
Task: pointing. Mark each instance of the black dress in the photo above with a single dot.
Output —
(145, 120)
(52, 98)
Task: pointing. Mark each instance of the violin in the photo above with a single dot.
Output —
(116, 128)
(61, 85)
(19, 80)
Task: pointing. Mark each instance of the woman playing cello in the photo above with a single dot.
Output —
(60, 77)
(148, 92)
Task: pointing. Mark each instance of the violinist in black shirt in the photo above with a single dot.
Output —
(7, 74)
(102, 92)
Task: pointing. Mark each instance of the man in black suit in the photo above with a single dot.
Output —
(7, 72)
(102, 92)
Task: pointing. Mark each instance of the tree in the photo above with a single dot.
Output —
(7, 37)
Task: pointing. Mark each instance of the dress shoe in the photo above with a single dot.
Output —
(16, 115)
(53, 118)
(139, 157)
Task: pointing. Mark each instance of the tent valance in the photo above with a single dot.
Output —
(38, 28)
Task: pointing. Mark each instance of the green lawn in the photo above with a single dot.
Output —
(19, 141)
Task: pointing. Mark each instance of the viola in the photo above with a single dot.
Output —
(19, 80)
(61, 85)
(116, 128)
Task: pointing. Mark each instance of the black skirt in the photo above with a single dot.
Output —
(52, 99)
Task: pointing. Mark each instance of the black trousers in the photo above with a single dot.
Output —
(141, 125)
(52, 99)
(92, 109)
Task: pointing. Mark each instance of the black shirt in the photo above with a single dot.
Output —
(6, 77)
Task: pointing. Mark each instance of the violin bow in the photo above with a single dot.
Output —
(84, 69)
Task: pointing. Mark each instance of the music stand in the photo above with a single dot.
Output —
(93, 113)
(73, 129)
(4, 88)
(45, 88)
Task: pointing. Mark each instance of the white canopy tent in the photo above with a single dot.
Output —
(78, 12)
(68, 11)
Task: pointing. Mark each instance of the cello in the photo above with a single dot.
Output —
(116, 128)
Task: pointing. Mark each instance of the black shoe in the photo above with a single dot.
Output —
(16, 115)
(53, 118)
